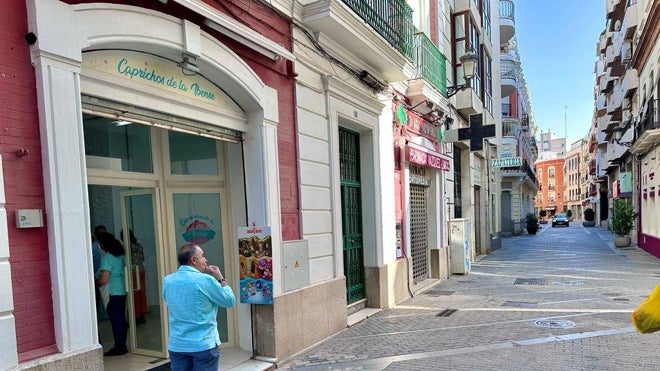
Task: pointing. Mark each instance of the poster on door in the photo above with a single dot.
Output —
(255, 254)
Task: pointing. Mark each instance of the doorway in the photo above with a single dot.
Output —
(121, 209)
(156, 190)
(351, 206)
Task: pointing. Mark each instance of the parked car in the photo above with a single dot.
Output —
(560, 219)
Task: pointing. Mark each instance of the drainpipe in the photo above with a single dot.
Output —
(325, 79)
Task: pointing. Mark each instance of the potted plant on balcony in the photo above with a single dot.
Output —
(532, 223)
(622, 222)
(542, 214)
(589, 216)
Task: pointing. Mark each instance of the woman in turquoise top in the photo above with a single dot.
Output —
(112, 273)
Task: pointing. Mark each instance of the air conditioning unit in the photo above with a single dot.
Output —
(626, 52)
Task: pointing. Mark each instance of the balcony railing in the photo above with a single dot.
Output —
(509, 69)
(507, 10)
(392, 19)
(524, 169)
(651, 118)
(506, 110)
(431, 63)
(510, 129)
(524, 123)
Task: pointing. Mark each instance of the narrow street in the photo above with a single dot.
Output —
(559, 300)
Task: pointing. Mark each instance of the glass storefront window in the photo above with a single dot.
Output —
(117, 145)
(198, 221)
(192, 155)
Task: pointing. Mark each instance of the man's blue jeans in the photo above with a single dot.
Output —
(206, 360)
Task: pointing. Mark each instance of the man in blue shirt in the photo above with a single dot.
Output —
(193, 295)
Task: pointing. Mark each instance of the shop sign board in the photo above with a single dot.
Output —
(420, 157)
(507, 162)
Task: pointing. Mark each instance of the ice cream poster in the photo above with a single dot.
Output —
(197, 229)
(255, 254)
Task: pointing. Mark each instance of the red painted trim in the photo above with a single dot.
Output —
(650, 244)
(37, 353)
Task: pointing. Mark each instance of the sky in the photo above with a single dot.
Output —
(557, 47)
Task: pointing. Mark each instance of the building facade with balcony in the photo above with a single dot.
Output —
(518, 151)
(632, 128)
(575, 179)
(550, 175)
(382, 103)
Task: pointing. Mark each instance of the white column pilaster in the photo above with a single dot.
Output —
(57, 58)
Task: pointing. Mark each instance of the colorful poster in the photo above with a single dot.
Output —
(625, 182)
(255, 254)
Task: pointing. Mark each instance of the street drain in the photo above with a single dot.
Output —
(568, 283)
(621, 299)
(447, 312)
(554, 323)
(529, 281)
(519, 304)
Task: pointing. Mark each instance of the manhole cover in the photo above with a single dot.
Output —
(554, 323)
(568, 283)
(446, 312)
(529, 281)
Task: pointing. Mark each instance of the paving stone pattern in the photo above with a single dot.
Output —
(572, 314)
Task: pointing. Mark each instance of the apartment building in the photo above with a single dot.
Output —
(550, 143)
(518, 152)
(550, 175)
(574, 177)
(626, 130)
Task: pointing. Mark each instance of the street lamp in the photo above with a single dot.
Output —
(618, 131)
(469, 63)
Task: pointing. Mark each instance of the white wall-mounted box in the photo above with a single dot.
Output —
(29, 218)
(295, 267)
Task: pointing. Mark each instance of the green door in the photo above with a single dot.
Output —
(351, 206)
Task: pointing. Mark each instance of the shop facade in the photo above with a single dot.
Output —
(422, 214)
(168, 131)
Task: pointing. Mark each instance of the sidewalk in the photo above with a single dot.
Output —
(557, 300)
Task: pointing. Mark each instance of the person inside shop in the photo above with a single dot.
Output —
(112, 273)
(139, 288)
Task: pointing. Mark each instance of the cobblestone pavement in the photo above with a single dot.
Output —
(559, 300)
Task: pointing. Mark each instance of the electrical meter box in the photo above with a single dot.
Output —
(295, 265)
(460, 246)
(29, 218)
